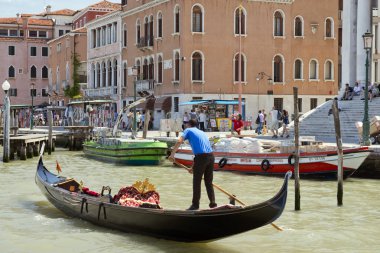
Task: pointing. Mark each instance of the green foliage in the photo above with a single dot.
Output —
(74, 90)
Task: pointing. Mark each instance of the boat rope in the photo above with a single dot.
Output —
(84, 200)
(104, 211)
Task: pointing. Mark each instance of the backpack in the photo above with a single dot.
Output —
(257, 120)
(279, 115)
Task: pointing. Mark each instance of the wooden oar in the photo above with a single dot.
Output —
(224, 191)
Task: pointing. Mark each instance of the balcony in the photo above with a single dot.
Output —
(145, 85)
(101, 92)
(146, 43)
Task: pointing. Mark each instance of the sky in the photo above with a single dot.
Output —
(9, 8)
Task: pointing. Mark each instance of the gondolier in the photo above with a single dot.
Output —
(203, 162)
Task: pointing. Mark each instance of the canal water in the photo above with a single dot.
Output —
(29, 223)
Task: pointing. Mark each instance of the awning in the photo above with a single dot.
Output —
(92, 102)
(20, 106)
(194, 102)
(227, 102)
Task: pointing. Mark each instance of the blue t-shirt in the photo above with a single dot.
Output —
(199, 141)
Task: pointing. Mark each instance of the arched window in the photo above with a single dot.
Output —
(176, 66)
(278, 24)
(197, 67)
(93, 76)
(151, 69)
(125, 36)
(329, 28)
(109, 73)
(125, 75)
(240, 21)
(33, 72)
(138, 31)
(45, 72)
(278, 69)
(58, 81)
(11, 72)
(104, 75)
(197, 19)
(138, 65)
(313, 70)
(150, 33)
(98, 70)
(240, 67)
(145, 69)
(298, 26)
(329, 73)
(115, 73)
(160, 69)
(298, 69)
(159, 25)
(176, 19)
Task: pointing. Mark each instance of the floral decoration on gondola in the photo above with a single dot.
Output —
(140, 194)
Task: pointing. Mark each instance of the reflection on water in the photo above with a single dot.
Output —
(29, 223)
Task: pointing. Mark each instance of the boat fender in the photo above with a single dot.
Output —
(291, 159)
(222, 162)
(265, 164)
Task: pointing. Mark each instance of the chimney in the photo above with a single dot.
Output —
(48, 9)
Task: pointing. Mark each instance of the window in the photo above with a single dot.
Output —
(13, 33)
(3, 32)
(21, 33)
(298, 69)
(11, 72)
(58, 47)
(138, 31)
(104, 75)
(329, 70)
(176, 67)
(151, 69)
(115, 73)
(125, 36)
(13, 92)
(329, 28)
(160, 69)
(278, 69)
(197, 67)
(176, 104)
(240, 21)
(238, 66)
(197, 19)
(125, 75)
(33, 72)
(44, 93)
(313, 70)
(298, 27)
(45, 72)
(313, 103)
(60, 33)
(176, 19)
(278, 24)
(33, 34)
(159, 25)
(11, 50)
(45, 51)
(33, 51)
(42, 34)
(278, 103)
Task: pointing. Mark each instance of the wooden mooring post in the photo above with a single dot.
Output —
(335, 110)
(50, 135)
(297, 199)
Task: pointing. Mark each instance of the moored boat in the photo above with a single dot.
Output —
(127, 151)
(315, 160)
(179, 225)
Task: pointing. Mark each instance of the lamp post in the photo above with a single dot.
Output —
(6, 143)
(259, 77)
(134, 74)
(32, 94)
(367, 40)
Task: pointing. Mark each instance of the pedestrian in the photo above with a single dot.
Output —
(203, 165)
(202, 120)
(260, 122)
(285, 131)
(185, 120)
(238, 123)
(274, 124)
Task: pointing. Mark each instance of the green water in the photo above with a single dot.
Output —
(29, 223)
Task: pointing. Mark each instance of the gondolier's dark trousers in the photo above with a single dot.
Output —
(203, 166)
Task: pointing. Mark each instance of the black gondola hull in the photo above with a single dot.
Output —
(178, 225)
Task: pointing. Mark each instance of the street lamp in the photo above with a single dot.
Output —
(367, 40)
(259, 77)
(32, 94)
(6, 143)
(134, 74)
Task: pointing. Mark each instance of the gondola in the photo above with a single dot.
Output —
(177, 225)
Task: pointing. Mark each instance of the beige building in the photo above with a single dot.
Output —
(195, 49)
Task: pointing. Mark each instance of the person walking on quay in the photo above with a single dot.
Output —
(274, 124)
(285, 120)
(238, 123)
(202, 120)
(185, 120)
(260, 122)
(203, 162)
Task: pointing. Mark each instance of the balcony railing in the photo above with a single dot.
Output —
(145, 85)
(145, 43)
(99, 92)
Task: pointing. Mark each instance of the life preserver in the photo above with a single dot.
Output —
(222, 162)
(265, 165)
(290, 158)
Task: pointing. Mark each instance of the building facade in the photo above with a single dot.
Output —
(206, 50)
